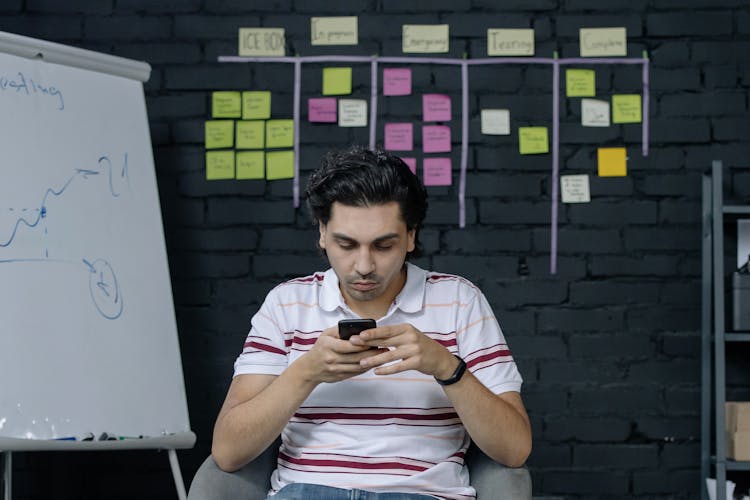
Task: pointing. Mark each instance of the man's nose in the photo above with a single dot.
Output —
(364, 264)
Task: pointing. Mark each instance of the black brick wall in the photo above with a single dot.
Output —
(608, 348)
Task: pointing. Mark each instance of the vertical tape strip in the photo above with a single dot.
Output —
(373, 100)
(555, 164)
(296, 115)
(644, 127)
(464, 144)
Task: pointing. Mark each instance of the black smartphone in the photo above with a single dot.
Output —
(349, 327)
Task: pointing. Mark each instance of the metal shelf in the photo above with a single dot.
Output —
(737, 337)
(736, 209)
(733, 464)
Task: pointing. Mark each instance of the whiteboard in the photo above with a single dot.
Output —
(88, 338)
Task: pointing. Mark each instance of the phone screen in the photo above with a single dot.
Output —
(349, 327)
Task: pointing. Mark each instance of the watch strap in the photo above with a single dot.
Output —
(457, 374)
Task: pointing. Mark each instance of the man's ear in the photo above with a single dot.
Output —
(411, 236)
(322, 231)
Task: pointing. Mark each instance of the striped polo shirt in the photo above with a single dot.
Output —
(379, 432)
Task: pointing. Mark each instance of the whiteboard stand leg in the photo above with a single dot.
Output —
(178, 482)
(8, 472)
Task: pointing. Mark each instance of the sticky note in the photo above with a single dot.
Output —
(256, 105)
(436, 139)
(399, 136)
(337, 81)
(262, 42)
(412, 162)
(226, 105)
(340, 30)
(626, 108)
(436, 108)
(219, 134)
(575, 188)
(279, 165)
(424, 38)
(321, 109)
(352, 113)
(510, 42)
(279, 133)
(397, 81)
(533, 140)
(612, 162)
(250, 165)
(219, 165)
(580, 83)
(595, 42)
(495, 121)
(250, 134)
(437, 172)
(594, 113)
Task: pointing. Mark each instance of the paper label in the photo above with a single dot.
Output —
(250, 165)
(495, 121)
(626, 108)
(424, 38)
(219, 165)
(533, 140)
(279, 133)
(352, 113)
(337, 81)
(575, 188)
(510, 42)
(340, 30)
(437, 172)
(226, 105)
(250, 134)
(219, 134)
(399, 136)
(436, 139)
(256, 42)
(594, 113)
(596, 42)
(580, 83)
(397, 81)
(256, 105)
(322, 109)
(436, 108)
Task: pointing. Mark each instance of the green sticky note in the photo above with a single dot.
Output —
(337, 81)
(279, 165)
(219, 134)
(219, 165)
(250, 165)
(256, 105)
(279, 133)
(250, 134)
(626, 108)
(580, 83)
(226, 105)
(532, 140)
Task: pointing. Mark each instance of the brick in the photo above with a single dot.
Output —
(602, 213)
(664, 482)
(128, 28)
(239, 211)
(201, 265)
(719, 77)
(525, 5)
(217, 77)
(729, 129)
(617, 345)
(538, 347)
(569, 25)
(578, 373)
(673, 371)
(631, 456)
(690, 4)
(671, 79)
(441, 212)
(496, 212)
(676, 455)
(176, 106)
(710, 23)
(160, 53)
(544, 399)
(524, 292)
(664, 318)
(339, 7)
(679, 211)
(88, 7)
(683, 292)
(168, 7)
(550, 455)
(613, 292)
(719, 52)
(472, 240)
(284, 238)
(579, 320)
(579, 241)
(46, 27)
(198, 27)
(680, 130)
(242, 291)
(670, 54)
(235, 6)
(570, 268)
(575, 133)
(475, 268)
(712, 104)
(191, 293)
(586, 429)
(189, 132)
(216, 239)
(615, 5)
(668, 429)
(496, 185)
(287, 265)
(668, 239)
(618, 400)
(584, 482)
(11, 6)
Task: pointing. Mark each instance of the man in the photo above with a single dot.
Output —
(392, 409)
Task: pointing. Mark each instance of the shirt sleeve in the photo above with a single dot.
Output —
(265, 351)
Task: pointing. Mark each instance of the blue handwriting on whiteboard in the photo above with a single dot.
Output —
(24, 86)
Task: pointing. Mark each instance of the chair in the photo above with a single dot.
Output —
(491, 480)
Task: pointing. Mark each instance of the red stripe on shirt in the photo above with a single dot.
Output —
(350, 463)
(264, 347)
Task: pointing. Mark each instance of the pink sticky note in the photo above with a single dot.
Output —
(412, 162)
(437, 172)
(399, 136)
(397, 81)
(436, 108)
(322, 109)
(436, 139)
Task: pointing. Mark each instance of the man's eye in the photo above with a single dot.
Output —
(346, 246)
(383, 247)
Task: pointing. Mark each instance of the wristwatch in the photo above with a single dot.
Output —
(457, 374)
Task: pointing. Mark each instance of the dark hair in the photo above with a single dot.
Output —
(360, 177)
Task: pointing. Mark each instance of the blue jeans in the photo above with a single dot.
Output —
(303, 491)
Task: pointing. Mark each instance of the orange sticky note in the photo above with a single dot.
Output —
(612, 162)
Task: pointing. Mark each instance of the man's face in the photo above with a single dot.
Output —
(367, 247)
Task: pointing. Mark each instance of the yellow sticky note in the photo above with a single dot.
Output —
(219, 134)
(279, 133)
(250, 165)
(533, 140)
(580, 83)
(219, 165)
(256, 105)
(250, 134)
(337, 81)
(612, 162)
(279, 165)
(626, 108)
(226, 105)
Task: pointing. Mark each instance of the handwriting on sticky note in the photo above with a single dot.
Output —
(399, 136)
(510, 42)
(612, 162)
(352, 113)
(533, 140)
(580, 83)
(436, 139)
(262, 42)
(596, 42)
(495, 121)
(437, 172)
(626, 108)
(219, 165)
(256, 105)
(341, 30)
(226, 105)
(279, 133)
(219, 134)
(321, 109)
(436, 108)
(575, 188)
(411, 162)
(397, 81)
(250, 134)
(424, 38)
(279, 165)
(250, 165)
(337, 81)
(594, 113)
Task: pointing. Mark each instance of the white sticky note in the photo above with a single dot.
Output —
(595, 42)
(575, 188)
(507, 42)
(352, 113)
(495, 121)
(594, 113)
(341, 30)
(262, 42)
(424, 38)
